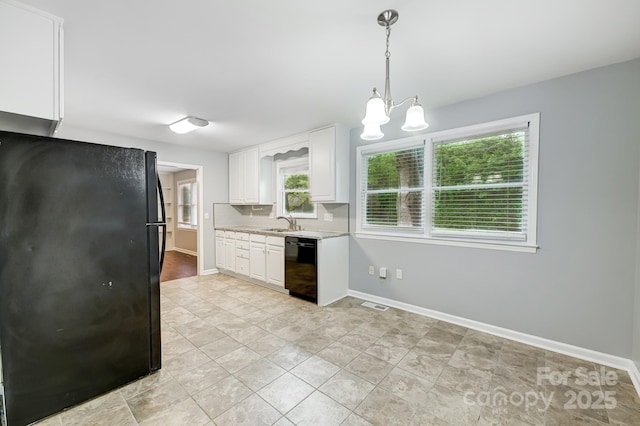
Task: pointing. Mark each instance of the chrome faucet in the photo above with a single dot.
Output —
(293, 226)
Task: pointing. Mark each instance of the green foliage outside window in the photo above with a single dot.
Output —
(397, 179)
(296, 194)
(496, 161)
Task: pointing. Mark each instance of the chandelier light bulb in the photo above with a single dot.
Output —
(415, 119)
(371, 132)
(375, 112)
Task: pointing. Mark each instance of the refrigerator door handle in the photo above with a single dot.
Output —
(164, 224)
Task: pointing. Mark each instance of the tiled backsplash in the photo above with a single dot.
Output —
(264, 217)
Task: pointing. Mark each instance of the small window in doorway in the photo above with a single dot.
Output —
(188, 204)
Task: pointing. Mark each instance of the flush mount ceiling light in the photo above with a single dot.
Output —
(188, 124)
(379, 108)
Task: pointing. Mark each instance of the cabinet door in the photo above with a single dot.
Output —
(275, 265)
(257, 261)
(242, 266)
(230, 255)
(251, 176)
(322, 161)
(31, 63)
(220, 257)
(236, 177)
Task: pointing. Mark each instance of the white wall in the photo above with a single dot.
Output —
(579, 287)
(214, 177)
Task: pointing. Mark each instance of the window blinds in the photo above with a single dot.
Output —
(393, 188)
(479, 185)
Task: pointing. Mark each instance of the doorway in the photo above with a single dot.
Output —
(183, 198)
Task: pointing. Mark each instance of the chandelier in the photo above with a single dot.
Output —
(379, 108)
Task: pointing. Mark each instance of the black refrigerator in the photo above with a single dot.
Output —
(79, 272)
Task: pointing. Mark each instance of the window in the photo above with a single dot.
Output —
(393, 191)
(188, 204)
(474, 186)
(293, 189)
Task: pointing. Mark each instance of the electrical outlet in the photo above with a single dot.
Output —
(383, 273)
(399, 274)
(328, 217)
(372, 270)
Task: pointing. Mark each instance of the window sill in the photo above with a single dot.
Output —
(506, 246)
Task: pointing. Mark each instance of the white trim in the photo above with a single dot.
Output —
(540, 342)
(185, 251)
(634, 373)
(420, 239)
(200, 179)
(210, 271)
(481, 128)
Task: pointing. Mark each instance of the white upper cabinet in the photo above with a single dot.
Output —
(31, 74)
(249, 178)
(236, 178)
(329, 165)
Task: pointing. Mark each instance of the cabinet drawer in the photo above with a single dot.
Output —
(241, 253)
(242, 245)
(242, 266)
(242, 236)
(275, 241)
(220, 234)
(230, 234)
(257, 238)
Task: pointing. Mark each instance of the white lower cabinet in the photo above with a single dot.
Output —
(230, 251)
(220, 258)
(261, 258)
(258, 257)
(275, 261)
(242, 253)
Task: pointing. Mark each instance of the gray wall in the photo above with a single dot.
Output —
(186, 239)
(579, 287)
(214, 180)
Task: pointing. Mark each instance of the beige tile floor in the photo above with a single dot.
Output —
(238, 354)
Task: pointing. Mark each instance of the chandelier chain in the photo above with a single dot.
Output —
(387, 54)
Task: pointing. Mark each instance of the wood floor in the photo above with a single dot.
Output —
(178, 265)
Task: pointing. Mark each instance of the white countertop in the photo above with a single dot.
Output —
(318, 235)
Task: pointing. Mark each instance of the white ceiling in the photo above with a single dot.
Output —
(260, 70)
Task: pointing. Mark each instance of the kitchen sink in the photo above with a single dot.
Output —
(274, 230)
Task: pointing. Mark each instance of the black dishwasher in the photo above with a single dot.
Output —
(301, 273)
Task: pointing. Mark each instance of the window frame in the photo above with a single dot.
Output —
(280, 191)
(194, 204)
(453, 238)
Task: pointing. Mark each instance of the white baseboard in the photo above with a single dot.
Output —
(634, 373)
(185, 251)
(540, 342)
(210, 271)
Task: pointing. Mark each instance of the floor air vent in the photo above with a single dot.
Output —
(375, 306)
